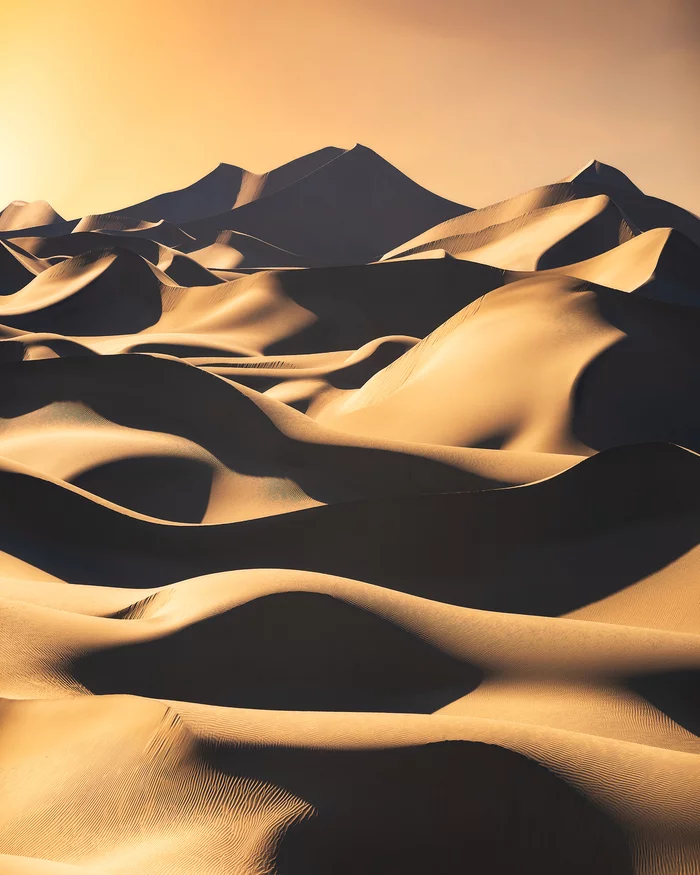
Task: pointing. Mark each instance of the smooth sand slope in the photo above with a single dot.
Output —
(347, 529)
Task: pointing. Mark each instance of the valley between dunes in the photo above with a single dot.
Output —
(348, 529)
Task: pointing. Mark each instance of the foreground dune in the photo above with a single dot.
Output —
(347, 529)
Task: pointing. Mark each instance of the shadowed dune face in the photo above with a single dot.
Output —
(435, 808)
(15, 271)
(88, 295)
(676, 694)
(641, 386)
(291, 651)
(169, 488)
(344, 528)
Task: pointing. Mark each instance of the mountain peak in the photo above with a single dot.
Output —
(603, 175)
(333, 206)
(223, 169)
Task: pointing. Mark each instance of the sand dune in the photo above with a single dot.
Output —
(17, 268)
(595, 369)
(607, 200)
(20, 214)
(548, 237)
(242, 455)
(661, 264)
(347, 529)
(180, 268)
(269, 312)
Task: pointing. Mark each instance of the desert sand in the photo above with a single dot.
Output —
(348, 529)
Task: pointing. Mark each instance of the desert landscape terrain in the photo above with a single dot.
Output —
(348, 529)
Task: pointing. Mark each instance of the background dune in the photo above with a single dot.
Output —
(346, 528)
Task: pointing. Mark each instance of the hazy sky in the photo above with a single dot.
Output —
(103, 104)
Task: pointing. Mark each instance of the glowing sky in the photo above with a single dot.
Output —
(103, 104)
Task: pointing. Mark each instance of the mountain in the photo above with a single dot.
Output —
(337, 214)
(225, 188)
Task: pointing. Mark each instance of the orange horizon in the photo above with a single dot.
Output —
(107, 108)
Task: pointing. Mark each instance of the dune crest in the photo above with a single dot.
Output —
(345, 528)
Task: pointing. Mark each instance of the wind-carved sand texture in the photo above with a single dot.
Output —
(346, 529)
